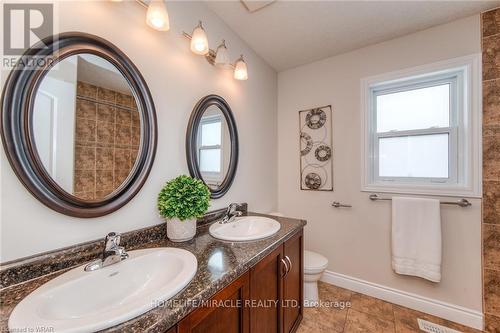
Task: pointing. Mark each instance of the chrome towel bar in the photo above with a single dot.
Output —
(461, 202)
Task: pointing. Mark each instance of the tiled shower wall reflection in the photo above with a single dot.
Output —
(106, 140)
(491, 168)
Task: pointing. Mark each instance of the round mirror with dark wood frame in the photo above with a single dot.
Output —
(78, 124)
(212, 144)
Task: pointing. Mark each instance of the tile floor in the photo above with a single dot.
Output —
(365, 314)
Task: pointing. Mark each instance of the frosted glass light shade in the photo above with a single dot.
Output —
(240, 69)
(222, 56)
(157, 16)
(199, 40)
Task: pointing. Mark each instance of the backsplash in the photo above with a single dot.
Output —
(106, 140)
(491, 168)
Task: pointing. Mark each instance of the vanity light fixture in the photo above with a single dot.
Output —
(240, 69)
(157, 18)
(199, 40)
(157, 15)
(222, 56)
(219, 57)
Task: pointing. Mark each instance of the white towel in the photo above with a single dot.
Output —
(416, 237)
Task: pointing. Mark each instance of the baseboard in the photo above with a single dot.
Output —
(434, 307)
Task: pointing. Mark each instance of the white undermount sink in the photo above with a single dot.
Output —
(80, 301)
(245, 228)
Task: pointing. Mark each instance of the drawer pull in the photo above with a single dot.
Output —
(286, 267)
(289, 262)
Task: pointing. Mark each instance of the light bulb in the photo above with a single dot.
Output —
(222, 56)
(199, 40)
(157, 16)
(240, 69)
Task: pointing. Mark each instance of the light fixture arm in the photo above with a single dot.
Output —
(142, 3)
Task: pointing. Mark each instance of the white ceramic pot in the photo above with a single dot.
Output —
(181, 231)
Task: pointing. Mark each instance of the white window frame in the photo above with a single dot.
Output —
(464, 76)
(213, 178)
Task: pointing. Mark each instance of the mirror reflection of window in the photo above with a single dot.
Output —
(213, 147)
(210, 146)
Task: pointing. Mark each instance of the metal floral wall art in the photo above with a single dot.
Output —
(316, 152)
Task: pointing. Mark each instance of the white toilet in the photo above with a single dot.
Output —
(314, 266)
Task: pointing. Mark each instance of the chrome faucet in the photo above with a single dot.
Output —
(231, 213)
(112, 253)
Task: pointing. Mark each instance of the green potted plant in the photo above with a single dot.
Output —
(181, 201)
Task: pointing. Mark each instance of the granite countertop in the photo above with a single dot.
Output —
(219, 263)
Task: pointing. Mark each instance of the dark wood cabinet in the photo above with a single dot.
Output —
(277, 283)
(293, 283)
(266, 291)
(270, 296)
(226, 312)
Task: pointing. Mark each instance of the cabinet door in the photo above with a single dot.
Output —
(293, 283)
(215, 318)
(266, 292)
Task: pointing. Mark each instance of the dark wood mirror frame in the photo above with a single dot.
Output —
(191, 139)
(17, 123)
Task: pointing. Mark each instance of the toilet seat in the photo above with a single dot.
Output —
(314, 263)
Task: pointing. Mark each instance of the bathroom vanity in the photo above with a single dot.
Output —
(236, 275)
(253, 286)
(270, 293)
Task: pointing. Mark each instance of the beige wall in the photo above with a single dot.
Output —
(357, 241)
(177, 80)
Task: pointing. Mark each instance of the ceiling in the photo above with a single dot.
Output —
(292, 33)
(99, 72)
